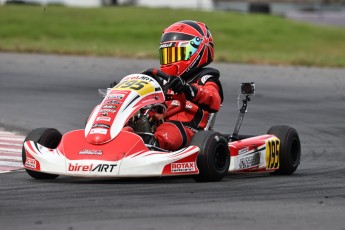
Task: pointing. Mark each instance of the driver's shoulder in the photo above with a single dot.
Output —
(208, 74)
(204, 75)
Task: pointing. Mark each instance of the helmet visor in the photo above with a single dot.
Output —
(172, 54)
(184, 51)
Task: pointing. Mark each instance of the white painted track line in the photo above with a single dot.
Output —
(10, 151)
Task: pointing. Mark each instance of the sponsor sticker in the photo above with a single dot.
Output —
(191, 128)
(91, 168)
(183, 44)
(144, 78)
(107, 111)
(166, 45)
(90, 152)
(118, 96)
(114, 102)
(242, 151)
(183, 167)
(101, 126)
(250, 161)
(103, 119)
(175, 103)
(98, 130)
(189, 105)
(109, 107)
(30, 163)
(205, 78)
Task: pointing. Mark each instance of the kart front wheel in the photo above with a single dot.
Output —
(47, 137)
(214, 156)
(290, 149)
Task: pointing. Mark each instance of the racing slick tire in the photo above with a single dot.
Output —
(214, 157)
(290, 149)
(47, 137)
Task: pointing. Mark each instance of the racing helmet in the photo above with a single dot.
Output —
(185, 46)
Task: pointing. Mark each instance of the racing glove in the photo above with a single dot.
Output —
(178, 85)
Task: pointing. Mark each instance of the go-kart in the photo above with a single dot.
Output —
(105, 148)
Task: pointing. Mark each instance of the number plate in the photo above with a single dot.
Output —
(140, 86)
(272, 153)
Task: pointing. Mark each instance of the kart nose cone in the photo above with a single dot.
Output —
(98, 139)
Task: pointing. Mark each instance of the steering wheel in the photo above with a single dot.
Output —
(158, 75)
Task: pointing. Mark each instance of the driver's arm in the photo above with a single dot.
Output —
(207, 96)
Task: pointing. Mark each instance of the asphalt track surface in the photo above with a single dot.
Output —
(59, 91)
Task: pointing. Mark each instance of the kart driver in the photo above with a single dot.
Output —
(186, 48)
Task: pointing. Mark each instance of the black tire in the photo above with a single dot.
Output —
(47, 137)
(214, 156)
(290, 149)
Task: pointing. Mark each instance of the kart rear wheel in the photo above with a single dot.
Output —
(47, 137)
(290, 149)
(214, 156)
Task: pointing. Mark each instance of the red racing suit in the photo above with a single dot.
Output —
(178, 130)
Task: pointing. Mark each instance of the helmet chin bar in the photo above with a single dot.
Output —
(171, 70)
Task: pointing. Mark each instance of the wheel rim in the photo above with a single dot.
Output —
(295, 151)
(220, 157)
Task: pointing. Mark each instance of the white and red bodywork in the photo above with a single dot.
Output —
(103, 149)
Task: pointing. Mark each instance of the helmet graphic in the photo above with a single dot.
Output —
(185, 46)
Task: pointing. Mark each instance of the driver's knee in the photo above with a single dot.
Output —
(172, 136)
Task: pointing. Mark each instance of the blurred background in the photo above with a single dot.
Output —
(278, 32)
(264, 6)
(253, 6)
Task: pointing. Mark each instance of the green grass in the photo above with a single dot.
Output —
(135, 32)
